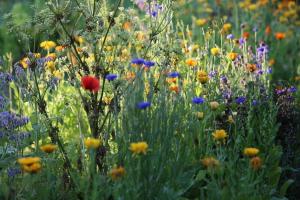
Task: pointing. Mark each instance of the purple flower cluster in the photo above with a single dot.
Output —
(10, 121)
(153, 9)
(140, 61)
(5, 78)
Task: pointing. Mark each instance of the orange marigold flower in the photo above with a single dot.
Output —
(191, 62)
(210, 162)
(256, 163)
(232, 55)
(279, 35)
(202, 76)
(117, 173)
(268, 30)
(48, 148)
(246, 35)
(174, 88)
(251, 67)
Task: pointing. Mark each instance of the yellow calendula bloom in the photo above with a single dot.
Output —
(47, 45)
(201, 22)
(28, 160)
(92, 143)
(202, 76)
(199, 115)
(139, 147)
(117, 173)
(79, 39)
(50, 66)
(232, 55)
(48, 148)
(214, 105)
(215, 51)
(52, 56)
(37, 55)
(24, 62)
(191, 62)
(230, 119)
(57, 74)
(226, 27)
(251, 151)
(220, 134)
(210, 162)
(34, 168)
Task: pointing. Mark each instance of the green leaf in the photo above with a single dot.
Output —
(285, 187)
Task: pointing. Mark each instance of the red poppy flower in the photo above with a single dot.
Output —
(90, 83)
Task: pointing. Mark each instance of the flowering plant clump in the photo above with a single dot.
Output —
(149, 99)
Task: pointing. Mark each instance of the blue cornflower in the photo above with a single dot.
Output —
(292, 89)
(230, 36)
(111, 77)
(240, 100)
(143, 105)
(212, 74)
(254, 102)
(11, 172)
(198, 100)
(149, 63)
(173, 74)
(137, 61)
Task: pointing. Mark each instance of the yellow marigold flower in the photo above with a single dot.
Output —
(139, 147)
(127, 26)
(50, 65)
(107, 99)
(57, 74)
(59, 48)
(210, 162)
(230, 119)
(215, 51)
(47, 45)
(140, 36)
(199, 115)
(297, 78)
(191, 62)
(174, 88)
(48, 148)
(79, 39)
(201, 22)
(37, 55)
(34, 168)
(214, 105)
(29, 160)
(117, 173)
(171, 80)
(252, 7)
(232, 55)
(92, 143)
(256, 163)
(52, 56)
(250, 151)
(130, 76)
(226, 27)
(24, 62)
(202, 76)
(220, 134)
(272, 61)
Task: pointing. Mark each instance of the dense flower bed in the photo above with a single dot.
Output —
(161, 100)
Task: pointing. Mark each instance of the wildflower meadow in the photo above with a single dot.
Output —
(149, 99)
